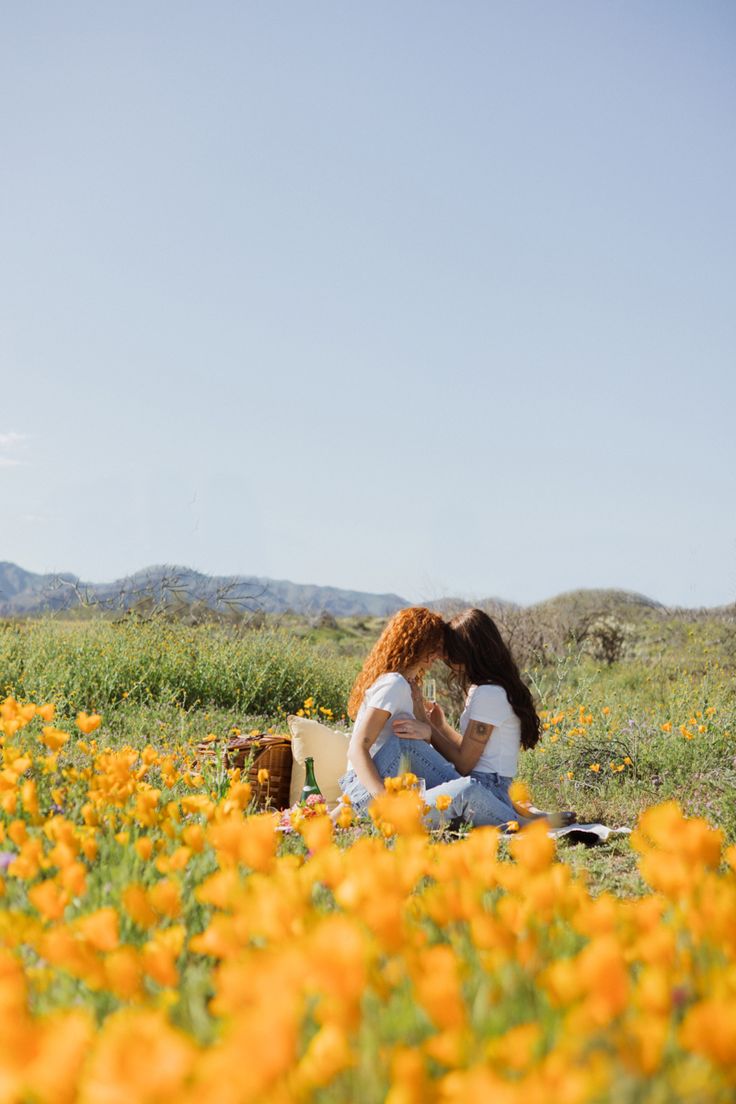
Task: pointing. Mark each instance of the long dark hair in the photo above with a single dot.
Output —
(474, 644)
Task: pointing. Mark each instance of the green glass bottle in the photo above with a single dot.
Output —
(310, 786)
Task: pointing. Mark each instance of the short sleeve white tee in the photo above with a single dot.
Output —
(490, 705)
(390, 692)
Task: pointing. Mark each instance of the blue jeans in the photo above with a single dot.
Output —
(499, 784)
(397, 755)
(473, 800)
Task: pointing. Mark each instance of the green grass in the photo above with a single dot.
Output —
(171, 685)
(109, 667)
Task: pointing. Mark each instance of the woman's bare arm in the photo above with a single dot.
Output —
(463, 751)
(362, 740)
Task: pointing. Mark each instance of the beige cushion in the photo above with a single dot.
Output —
(327, 747)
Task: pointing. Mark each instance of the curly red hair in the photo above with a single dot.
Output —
(410, 635)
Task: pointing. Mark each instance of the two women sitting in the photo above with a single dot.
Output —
(395, 729)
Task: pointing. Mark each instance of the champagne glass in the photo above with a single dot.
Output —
(429, 689)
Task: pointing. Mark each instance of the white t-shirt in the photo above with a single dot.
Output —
(490, 705)
(392, 693)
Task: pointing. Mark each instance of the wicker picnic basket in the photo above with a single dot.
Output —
(262, 752)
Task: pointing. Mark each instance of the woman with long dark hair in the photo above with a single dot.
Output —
(499, 716)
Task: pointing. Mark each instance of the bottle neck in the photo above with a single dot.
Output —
(310, 780)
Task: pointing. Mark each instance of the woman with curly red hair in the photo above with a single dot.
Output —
(386, 697)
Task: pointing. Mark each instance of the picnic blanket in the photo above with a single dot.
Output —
(589, 834)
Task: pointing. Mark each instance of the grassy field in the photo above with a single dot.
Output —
(155, 929)
(659, 723)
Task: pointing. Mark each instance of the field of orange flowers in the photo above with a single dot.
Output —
(159, 938)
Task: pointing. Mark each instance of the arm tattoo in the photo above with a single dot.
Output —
(480, 732)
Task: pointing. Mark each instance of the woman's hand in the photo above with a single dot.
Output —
(407, 728)
(435, 715)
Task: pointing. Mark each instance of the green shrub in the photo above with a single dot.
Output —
(100, 665)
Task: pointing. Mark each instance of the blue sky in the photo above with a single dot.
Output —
(423, 297)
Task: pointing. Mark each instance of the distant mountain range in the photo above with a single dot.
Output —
(24, 593)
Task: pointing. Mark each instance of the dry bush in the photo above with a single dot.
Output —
(607, 638)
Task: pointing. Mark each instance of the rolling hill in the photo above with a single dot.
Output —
(23, 593)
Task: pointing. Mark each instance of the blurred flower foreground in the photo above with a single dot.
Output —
(159, 940)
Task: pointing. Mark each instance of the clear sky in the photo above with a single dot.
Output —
(417, 296)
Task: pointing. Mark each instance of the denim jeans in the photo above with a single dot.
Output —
(499, 784)
(397, 755)
(474, 800)
(492, 781)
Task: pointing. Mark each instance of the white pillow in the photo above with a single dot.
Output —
(328, 748)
